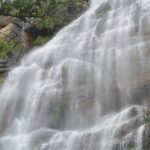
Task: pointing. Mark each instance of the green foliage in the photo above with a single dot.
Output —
(132, 148)
(45, 23)
(41, 40)
(44, 13)
(20, 8)
(41, 14)
(5, 48)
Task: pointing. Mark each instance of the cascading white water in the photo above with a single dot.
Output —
(87, 89)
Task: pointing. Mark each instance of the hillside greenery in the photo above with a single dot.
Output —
(42, 13)
(47, 15)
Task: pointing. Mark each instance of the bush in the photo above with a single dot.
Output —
(5, 48)
(41, 40)
(8, 48)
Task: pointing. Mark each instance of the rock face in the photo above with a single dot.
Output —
(4, 21)
(7, 64)
(146, 138)
(3, 66)
(10, 29)
(26, 40)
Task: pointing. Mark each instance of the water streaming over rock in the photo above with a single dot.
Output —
(86, 89)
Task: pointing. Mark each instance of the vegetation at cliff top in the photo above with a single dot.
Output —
(42, 13)
(44, 16)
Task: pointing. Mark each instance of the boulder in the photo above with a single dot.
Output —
(11, 31)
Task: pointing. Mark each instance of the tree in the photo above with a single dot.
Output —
(37, 19)
(41, 18)
(43, 13)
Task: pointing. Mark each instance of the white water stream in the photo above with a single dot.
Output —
(86, 89)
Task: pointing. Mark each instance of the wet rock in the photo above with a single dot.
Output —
(105, 7)
(4, 70)
(3, 66)
(146, 137)
(129, 125)
(7, 64)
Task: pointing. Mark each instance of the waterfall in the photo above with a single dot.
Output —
(87, 88)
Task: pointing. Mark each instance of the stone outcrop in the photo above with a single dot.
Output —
(3, 66)
(6, 64)
(12, 29)
(4, 21)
